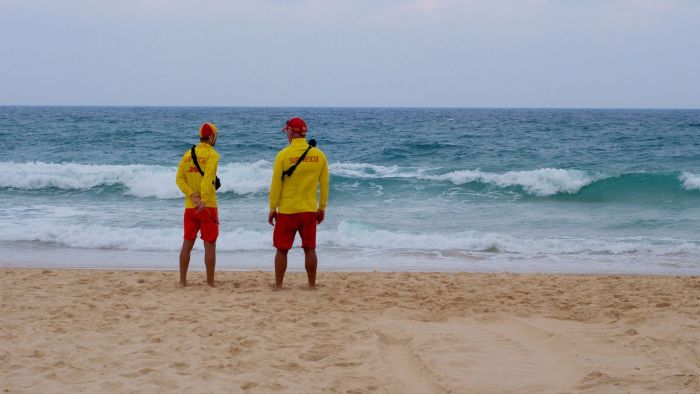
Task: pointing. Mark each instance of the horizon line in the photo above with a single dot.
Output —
(345, 107)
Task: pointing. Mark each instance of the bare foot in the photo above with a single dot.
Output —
(183, 283)
(211, 284)
(276, 288)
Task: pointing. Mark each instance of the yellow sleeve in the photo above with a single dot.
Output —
(325, 183)
(276, 184)
(207, 188)
(181, 178)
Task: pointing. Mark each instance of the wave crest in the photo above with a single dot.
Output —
(539, 182)
(139, 180)
(690, 181)
(152, 181)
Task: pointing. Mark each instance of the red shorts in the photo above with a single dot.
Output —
(207, 220)
(287, 225)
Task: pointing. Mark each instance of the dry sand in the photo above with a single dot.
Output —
(102, 331)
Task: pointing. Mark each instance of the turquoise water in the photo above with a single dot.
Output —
(415, 189)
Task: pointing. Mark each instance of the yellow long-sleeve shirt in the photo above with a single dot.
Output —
(189, 180)
(298, 193)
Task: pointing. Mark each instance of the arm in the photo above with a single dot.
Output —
(275, 187)
(181, 179)
(325, 182)
(207, 188)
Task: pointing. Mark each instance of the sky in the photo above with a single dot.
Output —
(361, 53)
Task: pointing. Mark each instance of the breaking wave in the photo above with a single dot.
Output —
(152, 181)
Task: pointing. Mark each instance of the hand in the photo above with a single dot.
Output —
(197, 200)
(271, 218)
(320, 215)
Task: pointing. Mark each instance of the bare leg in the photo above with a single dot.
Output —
(210, 261)
(311, 262)
(185, 260)
(280, 267)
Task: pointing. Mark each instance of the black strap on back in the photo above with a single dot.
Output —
(290, 170)
(216, 182)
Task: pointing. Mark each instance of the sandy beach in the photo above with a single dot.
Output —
(105, 331)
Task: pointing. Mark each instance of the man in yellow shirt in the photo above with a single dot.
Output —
(198, 181)
(298, 171)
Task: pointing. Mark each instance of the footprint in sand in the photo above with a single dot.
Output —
(406, 366)
(319, 352)
(179, 365)
(347, 364)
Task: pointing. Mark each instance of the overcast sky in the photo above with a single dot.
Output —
(429, 53)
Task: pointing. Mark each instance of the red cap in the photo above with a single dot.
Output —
(207, 129)
(296, 125)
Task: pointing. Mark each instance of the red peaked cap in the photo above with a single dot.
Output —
(296, 125)
(207, 129)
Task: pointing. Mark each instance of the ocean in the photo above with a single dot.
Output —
(517, 190)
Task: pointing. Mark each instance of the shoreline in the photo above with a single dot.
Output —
(31, 255)
(121, 330)
(297, 267)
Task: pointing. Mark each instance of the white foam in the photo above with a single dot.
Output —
(361, 235)
(141, 239)
(139, 180)
(369, 171)
(539, 182)
(349, 235)
(246, 178)
(151, 181)
(690, 181)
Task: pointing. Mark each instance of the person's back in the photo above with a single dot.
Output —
(299, 192)
(188, 174)
(294, 199)
(196, 179)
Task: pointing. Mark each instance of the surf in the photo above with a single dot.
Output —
(253, 178)
(136, 180)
